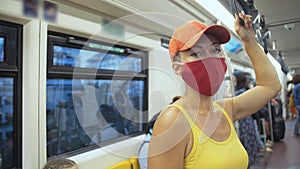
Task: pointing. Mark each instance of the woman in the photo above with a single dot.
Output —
(195, 131)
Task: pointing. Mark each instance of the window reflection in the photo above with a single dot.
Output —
(82, 112)
(72, 57)
(6, 122)
(1, 49)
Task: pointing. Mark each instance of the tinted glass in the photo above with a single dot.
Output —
(1, 49)
(6, 122)
(82, 58)
(84, 112)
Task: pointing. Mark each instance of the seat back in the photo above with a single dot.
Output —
(131, 163)
(134, 163)
(121, 165)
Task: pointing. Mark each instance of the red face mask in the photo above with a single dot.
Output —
(206, 75)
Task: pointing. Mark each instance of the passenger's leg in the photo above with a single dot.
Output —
(268, 132)
(260, 142)
(296, 128)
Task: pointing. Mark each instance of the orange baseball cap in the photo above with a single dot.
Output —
(185, 36)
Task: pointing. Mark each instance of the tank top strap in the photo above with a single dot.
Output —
(186, 115)
(224, 112)
(189, 119)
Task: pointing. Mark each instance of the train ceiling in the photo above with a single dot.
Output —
(162, 16)
(283, 20)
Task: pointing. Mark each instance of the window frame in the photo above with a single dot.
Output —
(65, 72)
(12, 67)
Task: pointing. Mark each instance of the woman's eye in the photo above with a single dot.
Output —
(196, 54)
(216, 51)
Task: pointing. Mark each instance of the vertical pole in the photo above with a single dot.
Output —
(271, 121)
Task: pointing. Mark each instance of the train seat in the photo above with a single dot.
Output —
(131, 163)
(121, 165)
(134, 163)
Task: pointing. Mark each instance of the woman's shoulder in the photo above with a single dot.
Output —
(170, 129)
(169, 118)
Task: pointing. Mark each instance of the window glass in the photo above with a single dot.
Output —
(10, 95)
(82, 112)
(1, 49)
(100, 100)
(6, 122)
(82, 58)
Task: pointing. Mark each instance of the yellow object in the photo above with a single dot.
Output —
(131, 163)
(134, 163)
(291, 102)
(121, 165)
(208, 153)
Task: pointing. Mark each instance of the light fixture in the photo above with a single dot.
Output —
(274, 47)
(289, 26)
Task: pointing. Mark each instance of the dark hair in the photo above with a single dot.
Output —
(296, 78)
(60, 164)
(175, 99)
(241, 80)
(249, 82)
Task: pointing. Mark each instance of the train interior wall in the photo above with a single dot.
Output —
(163, 83)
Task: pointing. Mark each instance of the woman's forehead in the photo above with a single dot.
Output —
(207, 39)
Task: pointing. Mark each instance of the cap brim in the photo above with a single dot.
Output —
(220, 32)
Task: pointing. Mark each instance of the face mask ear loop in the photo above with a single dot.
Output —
(178, 63)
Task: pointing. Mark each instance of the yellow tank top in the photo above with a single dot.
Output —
(210, 154)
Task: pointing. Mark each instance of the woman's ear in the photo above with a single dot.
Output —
(177, 68)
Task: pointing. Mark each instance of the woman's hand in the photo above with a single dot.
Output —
(245, 32)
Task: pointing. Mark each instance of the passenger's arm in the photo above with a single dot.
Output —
(267, 82)
(168, 143)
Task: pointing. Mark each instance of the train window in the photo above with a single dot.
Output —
(96, 94)
(1, 49)
(82, 58)
(10, 87)
(6, 121)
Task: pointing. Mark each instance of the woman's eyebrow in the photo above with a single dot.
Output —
(202, 46)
